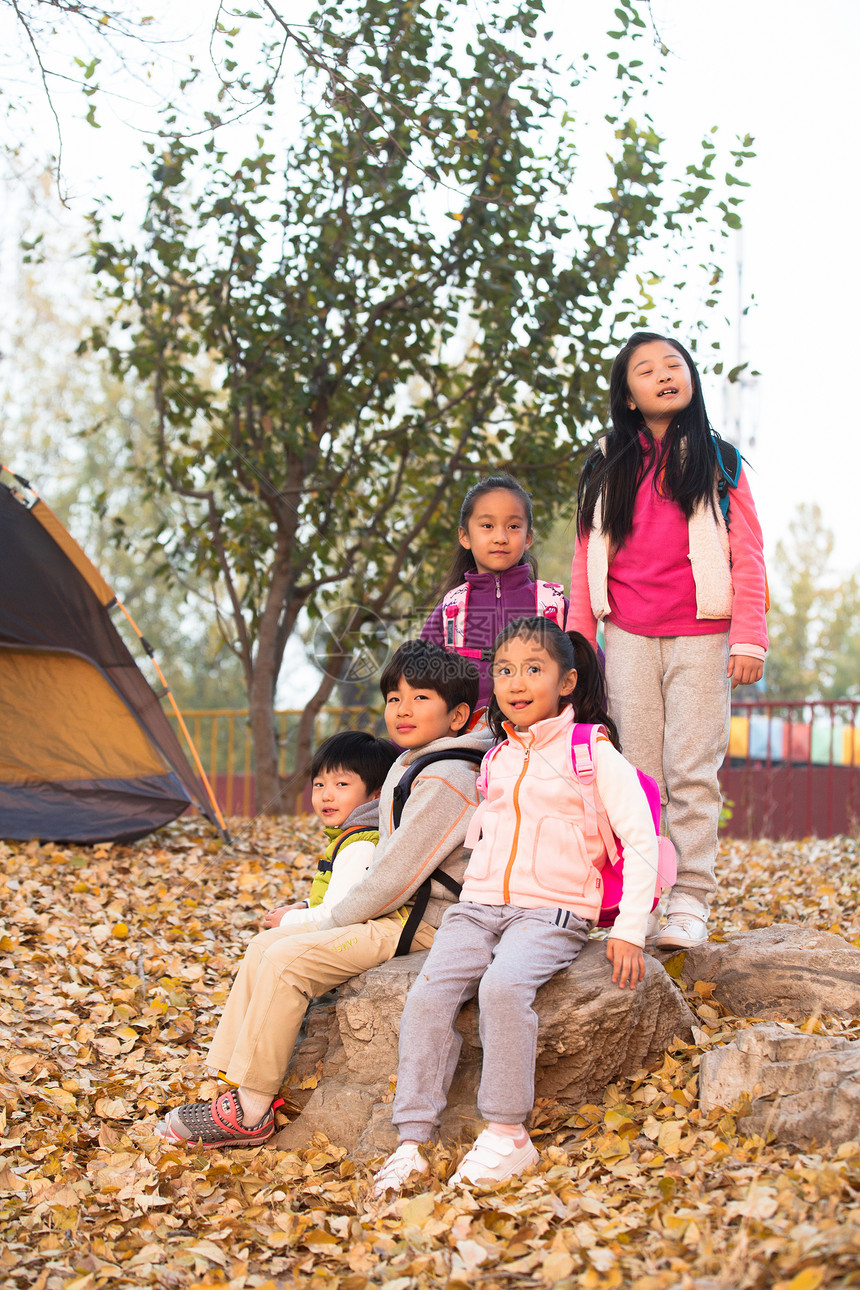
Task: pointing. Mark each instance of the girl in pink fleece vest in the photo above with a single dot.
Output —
(682, 596)
(531, 894)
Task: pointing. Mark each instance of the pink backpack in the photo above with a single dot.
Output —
(583, 742)
(549, 603)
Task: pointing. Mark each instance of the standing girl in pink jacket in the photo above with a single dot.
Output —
(531, 893)
(682, 593)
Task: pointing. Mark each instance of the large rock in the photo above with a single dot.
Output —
(782, 972)
(804, 1088)
(591, 1033)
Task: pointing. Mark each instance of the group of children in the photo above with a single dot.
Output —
(498, 871)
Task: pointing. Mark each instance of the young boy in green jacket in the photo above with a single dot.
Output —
(429, 697)
(347, 774)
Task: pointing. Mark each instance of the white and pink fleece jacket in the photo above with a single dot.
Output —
(727, 565)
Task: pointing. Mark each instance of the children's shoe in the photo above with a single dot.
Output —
(218, 1123)
(494, 1157)
(652, 931)
(398, 1169)
(682, 932)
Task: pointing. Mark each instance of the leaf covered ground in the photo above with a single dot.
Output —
(116, 961)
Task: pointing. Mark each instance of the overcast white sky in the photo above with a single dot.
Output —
(786, 72)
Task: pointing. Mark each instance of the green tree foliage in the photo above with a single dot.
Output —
(413, 292)
(814, 623)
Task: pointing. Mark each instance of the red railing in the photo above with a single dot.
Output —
(792, 769)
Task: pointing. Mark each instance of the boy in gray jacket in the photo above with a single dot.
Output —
(429, 695)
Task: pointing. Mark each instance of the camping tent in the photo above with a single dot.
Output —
(86, 752)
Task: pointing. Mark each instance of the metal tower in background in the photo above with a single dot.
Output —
(741, 386)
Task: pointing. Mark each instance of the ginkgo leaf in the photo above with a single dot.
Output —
(636, 1180)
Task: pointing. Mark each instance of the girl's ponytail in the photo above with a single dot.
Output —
(569, 650)
(589, 696)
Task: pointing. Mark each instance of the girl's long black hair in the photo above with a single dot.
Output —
(463, 561)
(686, 454)
(568, 650)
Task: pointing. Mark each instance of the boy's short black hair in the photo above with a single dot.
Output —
(426, 666)
(355, 750)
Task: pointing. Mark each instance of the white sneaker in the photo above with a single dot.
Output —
(494, 1157)
(398, 1169)
(652, 931)
(682, 932)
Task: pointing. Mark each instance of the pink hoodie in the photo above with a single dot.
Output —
(534, 852)
(728, 571)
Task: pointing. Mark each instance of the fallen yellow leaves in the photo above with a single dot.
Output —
(116, 962)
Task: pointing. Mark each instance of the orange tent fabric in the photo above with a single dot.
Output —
(86, 752)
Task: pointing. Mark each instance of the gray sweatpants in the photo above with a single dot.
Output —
(502, 954)
(671, 700)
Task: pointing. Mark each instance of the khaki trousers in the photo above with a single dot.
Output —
(281, 972)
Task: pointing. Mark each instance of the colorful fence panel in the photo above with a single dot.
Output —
(792, 770)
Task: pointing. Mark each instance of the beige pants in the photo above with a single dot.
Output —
(671, 700)
(281, 972)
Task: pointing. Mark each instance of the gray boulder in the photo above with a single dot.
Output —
(803, 1088)
(591, 1033)
(781, 972)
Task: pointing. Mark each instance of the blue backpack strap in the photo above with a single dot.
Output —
(729, 463)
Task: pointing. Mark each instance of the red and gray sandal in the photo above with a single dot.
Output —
(218, 1123)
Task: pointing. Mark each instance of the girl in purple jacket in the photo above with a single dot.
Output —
(492, 579)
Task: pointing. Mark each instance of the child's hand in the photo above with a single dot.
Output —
(272, 917)
(628, 962)
(744, 670)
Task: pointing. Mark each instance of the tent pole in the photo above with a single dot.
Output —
(169, 693)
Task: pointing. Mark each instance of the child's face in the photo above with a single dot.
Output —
(497, 532)
(415, 716)
(528, 683)
(659, 382)
(336, 793)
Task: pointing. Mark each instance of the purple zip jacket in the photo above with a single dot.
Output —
(494, 601)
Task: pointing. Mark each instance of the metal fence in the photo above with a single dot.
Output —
(222, 737)
(792, 769)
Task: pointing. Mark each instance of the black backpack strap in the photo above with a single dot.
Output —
(419, 905)
(728, 459)
(404, 787)
(401, 793)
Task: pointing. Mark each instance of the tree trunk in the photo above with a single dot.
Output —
(293, 786)
(270, 798)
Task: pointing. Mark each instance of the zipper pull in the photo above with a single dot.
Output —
(498, 587)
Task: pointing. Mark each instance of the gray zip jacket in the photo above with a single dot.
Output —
(432, 831)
